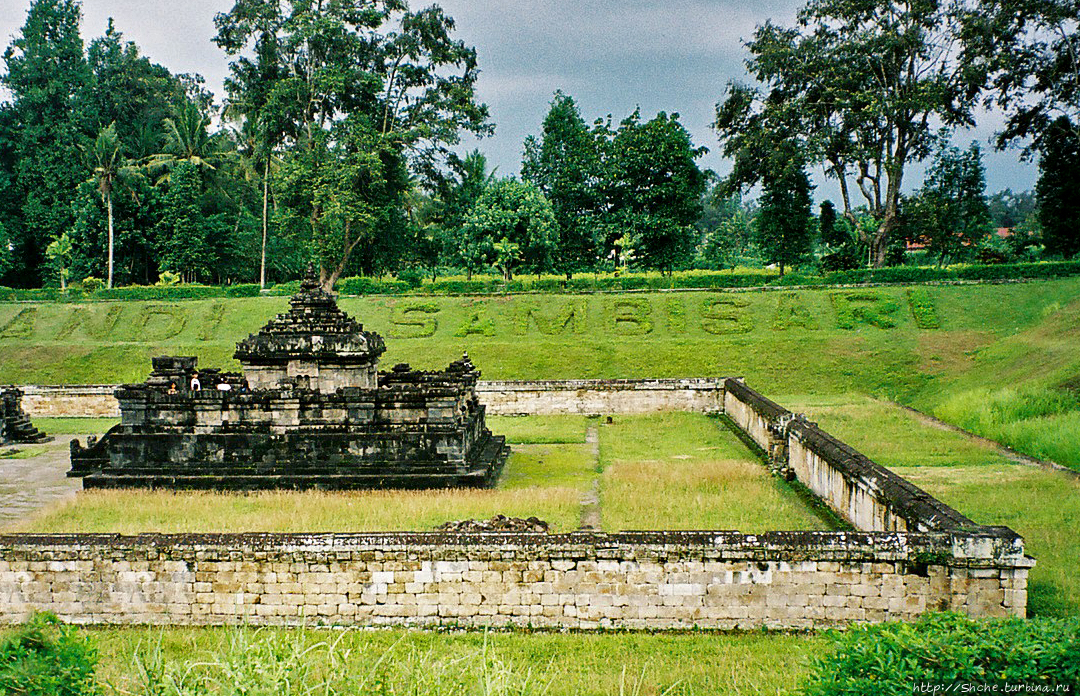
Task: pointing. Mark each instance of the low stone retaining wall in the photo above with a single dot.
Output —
(75, 401)
(912, 553)
(585, 396)
(638, 580)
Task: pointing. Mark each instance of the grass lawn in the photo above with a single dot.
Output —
(74, 426)
(683, 471)
(392, 662)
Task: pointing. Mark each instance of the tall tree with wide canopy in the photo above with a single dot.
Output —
(47, 77)
(369, 86)
(1059, 179)
(565, 164)
(864, 85)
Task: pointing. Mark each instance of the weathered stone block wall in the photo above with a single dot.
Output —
(596, 397)
(753, 413)
(501, 398)
(643, 580)
(74, 401)
(867, 495)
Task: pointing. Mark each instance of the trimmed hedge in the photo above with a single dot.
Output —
(480, 285)
(895, 659)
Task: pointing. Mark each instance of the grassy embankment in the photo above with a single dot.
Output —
(1001, 360)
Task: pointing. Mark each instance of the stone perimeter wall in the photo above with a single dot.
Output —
(501, 398)
(915, 554)
(585, 580)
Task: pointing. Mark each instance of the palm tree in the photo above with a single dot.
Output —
(188, 139)
(257, 151)
(108, 163)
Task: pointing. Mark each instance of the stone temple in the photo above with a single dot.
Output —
(310, 410)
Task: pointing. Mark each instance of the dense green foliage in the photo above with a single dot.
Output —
(1059, 176)
(44, 658)
(784, 225)
(892, 659)
(950, 214)
(345, 155)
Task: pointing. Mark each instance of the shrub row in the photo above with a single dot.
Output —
(479, 285)
(947, 653)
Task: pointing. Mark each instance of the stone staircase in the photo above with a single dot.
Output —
(15, 425)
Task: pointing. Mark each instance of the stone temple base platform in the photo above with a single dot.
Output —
(415, 430)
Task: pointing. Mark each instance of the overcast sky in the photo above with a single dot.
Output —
(610, 55)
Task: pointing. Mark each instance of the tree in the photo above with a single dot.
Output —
(654, 189)
(783, 228)
(1059, 177)
(108, 164)
(726, 230)
(511, 225)
(371, 88)
(47, 76)
(832, 233)
(1032, 50)
(6, 249)
(58, 256)
(863, 85)
(130, 92)
(1009, 209)
(950, 213)
(564, 163)
(254, 102)
(182, 232)
(188, 140)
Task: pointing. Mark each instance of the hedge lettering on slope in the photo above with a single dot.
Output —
(675, 309)
(214, 317)
(90, 322)
(922, 309)
(721, 316)
(630, 316)
(791, 311)
(864, 307)
(569, 317)
(414, 320)
(159, 322)
(477, 323)
(21, 325)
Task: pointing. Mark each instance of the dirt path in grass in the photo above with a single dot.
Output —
(1007, 452)
(590, 504)
(30, 483)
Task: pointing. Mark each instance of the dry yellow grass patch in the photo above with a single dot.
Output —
(133, 511)
(688, 492)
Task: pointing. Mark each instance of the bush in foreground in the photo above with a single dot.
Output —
(892, 658)
(45, 658)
